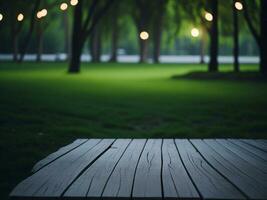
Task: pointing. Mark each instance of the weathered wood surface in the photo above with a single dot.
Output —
(150, 169)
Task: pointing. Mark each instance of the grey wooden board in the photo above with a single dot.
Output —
(150, 169)
(257, 152)
(258, 144)
(62, 151)
(209, 182)
(147, 181)
(259, 164)
(121, 180)
(93, 180)
(244, 166)
(248, 185)
(176, 182)
(52, 180)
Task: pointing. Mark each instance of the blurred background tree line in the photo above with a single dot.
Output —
(112, 27)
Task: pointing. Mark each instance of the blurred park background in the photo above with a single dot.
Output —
(127, 69)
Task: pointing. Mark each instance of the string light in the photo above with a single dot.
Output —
(208, 16)
(1, 17)
(238, 5)
(74, 2)
(195, 32)
(44, 12)
(41, 13)
(20, 17)
(63, 6)
(144, 35)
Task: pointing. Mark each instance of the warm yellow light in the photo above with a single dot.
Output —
(20, 17)
(208, 16)
(144, 35)
(1, 17)
(238, 5)
(195, 32)
(63, 6)
(44, 12)
(74, 2)
(41, 13)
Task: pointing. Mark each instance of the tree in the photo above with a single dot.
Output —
(95, 44)
(159, 11)
(29, 34)
(142, 18)
(263, 51)
(83, 27)
(235, 37)
(115, 32)
(214, 39)
(258, 34)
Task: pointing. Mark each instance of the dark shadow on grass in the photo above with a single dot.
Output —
(231, 76)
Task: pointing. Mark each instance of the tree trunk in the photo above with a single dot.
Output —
(39, 42)
(115, 36)
(214, 39)
(67, 36)
(157, 40)
(77, 40)
(263, 38)
(203, 46)
(15, 47)
(30, 31)
(158, 31)
(143, 50)
(235, 38)
(95, 45)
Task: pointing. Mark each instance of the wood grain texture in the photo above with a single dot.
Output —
(209, 182)
(92, 182)
(257, 163)
(257, 152)
(121, 180)
(52, 180)
(248, 185)
(147, 181)
(257, 143)
(150, 169)
(62, 151)
(245, 167)
(176, 182)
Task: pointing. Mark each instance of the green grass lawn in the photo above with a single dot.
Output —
(43, 108)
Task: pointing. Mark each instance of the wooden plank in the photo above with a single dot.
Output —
(208, 181)
(248, 185)
(53, 180)
(257, 163)
(257, 144)
(92, 182)
(239, 163)
(60, 152)
(257, 152)
(121, 180)
(147, 181)
(175, 180)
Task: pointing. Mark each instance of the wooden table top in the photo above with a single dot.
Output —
(150, 169)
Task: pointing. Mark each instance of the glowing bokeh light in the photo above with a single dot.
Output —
(1, 17)
(74, 2)
(41, 13)
(195, 32)
(20, 17)
(44, 12)
(238, 5)
(63, 6)
(144, 35)
(208, 16)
